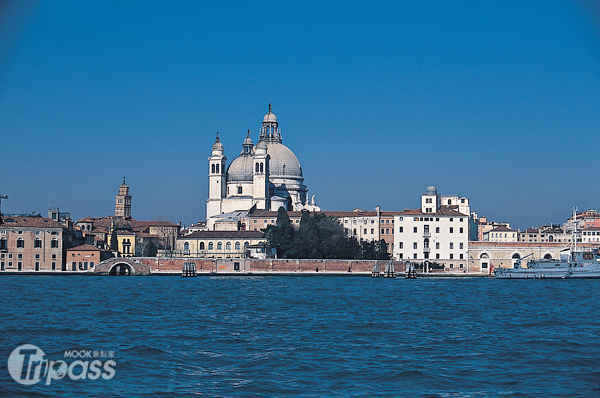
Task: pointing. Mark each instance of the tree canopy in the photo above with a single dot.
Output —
(319, 237)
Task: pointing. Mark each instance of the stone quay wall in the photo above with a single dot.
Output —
(161, 265)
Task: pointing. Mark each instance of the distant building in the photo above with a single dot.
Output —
(217, 244)
(591, 235)
(266, 176)
(85, 257)
(546, 233)
(437, 232)
(34, 244)
(123, 201)
(501, 234)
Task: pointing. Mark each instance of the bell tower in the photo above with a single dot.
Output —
(123, 201)
(216, 179)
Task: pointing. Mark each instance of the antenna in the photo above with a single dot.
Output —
(2, 196)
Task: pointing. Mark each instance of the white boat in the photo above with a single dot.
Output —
(572, 264)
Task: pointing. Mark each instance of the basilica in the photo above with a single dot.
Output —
(265, 176)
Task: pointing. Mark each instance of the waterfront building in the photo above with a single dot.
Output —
(217, 244)
(485, 256)
(85, 257)
(266, 176)
(436, 232)
(546, 233)
(591, 235)
(34, 243)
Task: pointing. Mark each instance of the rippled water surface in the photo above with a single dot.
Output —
(309, 336)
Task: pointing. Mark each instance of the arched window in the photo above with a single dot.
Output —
(54, 244)
(426, 243)
(219, 246)
(210, 246)
(3, 244)
(201, 245)
(256, 167)
(213, 169)
(484, 255)
(20, 243)
(261, 167)
(228, 246)
(548, 256)
(551, 238)
(186, 246)
(217, 169)
(246, 244)
(38, 243)
(237, 245)
(449, 202)
(516, 256)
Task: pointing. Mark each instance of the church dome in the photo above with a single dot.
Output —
(282, 162)
(240, 170)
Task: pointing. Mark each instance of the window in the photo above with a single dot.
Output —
(219, 246)
(354, 231)
(2, 266)
(19, 266)
(262, 167)
(485, 255)
(239, 190)
(449, 203)
(451, 230)
(54, 244)
(54, 257)
(415, 230)
(437, 230)
(364, 231)
(451, 256)
(20, 243)
(461, 230)
(414, 245)
(484, 265)
(400, 255)
(387, 231)
(460, 220)
(451, 245)
(2, 244)
(426, 229)
(212, 169)
(460, 256)
(372, 231)
(201, 245)
(461, 245)
(401, 229)
(237, 245)
(228, 246)
(437, 245)
(451, 219)
(401, 218)
(19, 256)
(217, 169)
(414, 255)
(38, 243)
(401, 245)
(37, 256)
(211, 246)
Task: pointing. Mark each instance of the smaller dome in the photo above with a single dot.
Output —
(261, 148)
(217, 146)
(270, 117)
(248, 140)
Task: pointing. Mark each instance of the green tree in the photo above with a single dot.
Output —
(114, 243)
(150, 249)
(281, 235)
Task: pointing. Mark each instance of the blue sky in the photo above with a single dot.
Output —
(498, 101)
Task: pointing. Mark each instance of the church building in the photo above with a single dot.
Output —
(265, 176)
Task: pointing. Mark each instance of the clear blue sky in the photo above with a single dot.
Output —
(498, 101)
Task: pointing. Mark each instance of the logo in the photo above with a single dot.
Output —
(27, 365)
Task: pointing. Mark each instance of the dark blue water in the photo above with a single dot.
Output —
(309, 336)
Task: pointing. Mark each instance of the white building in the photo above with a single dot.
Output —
(266, 175)
(438, 231)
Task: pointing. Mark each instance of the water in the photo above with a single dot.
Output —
(309, 336)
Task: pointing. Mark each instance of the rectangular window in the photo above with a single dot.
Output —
(2, 266)
(461, 230)
(372, 231)
(365, 231)
(38, 243)
(354, 231)
(37, 265)
(401, 245)
(451, 230)
(401, 229)
(20, 244)
(461, 245)
(387, 231)
(92, 264)
(451, 256)
(460, 256)
(415, 255)
(426, 229)
(414, 245)
(460, 266)
(437, 230)
(9, 255)
(401, 218)
(451, 245)
(437, 219)
(19, 266)
(74, 266)
(437, 245)
(400, 255)
(415, 230)
(484, 265)
(53, 266)
(10, 263)
(19, 256)
(37, 256)
(460, 220)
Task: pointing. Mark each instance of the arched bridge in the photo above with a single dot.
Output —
(121, 266)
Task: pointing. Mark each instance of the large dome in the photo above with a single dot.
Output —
(283, 162)
(240, 170)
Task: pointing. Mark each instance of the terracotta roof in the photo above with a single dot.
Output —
(30, 222)
(86, 247)
(224, 235)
